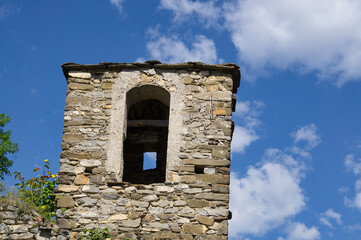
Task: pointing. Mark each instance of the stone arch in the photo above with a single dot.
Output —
(147, 112)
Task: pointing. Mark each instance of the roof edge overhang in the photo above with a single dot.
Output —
(110, 66)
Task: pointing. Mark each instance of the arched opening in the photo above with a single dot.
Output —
(147, 135)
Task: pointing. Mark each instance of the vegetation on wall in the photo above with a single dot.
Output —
(94, 234)
(38, 192)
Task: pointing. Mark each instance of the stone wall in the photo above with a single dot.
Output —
(15, 224)
(193, 201)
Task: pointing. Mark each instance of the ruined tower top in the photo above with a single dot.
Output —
(119, 114)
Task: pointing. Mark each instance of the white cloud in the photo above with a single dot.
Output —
(307, 134)
(7, 10)
(305, 36)
(326, 222)
(263, 199)
(343, 189)
(354, 227)
(354, 165)
(242, 138)
(292, 163)
(244, 134)
(118, 4)
(270, 193)
(173, 50)
(322, 36)
(184, 9)
(329, 215)
(298, 231)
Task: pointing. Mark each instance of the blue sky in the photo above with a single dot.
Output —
(296, 152)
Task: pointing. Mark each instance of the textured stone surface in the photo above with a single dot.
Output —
(193, 201)
(65, 202)
(17, 225)
(81, 180)
(194, 228)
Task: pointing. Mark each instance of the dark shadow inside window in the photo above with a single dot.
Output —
(147, 132)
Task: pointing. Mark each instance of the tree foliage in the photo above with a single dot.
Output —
(6, 147)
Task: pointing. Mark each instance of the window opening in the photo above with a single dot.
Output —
(199, 169)
(150, 160)
(147, 134)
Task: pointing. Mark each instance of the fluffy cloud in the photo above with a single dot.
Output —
(302, 35)
(173, 50)
(242, 138)
(118, 4)
(269, 193)
(263, 199)
(322, 36)
(307, 134)
(185, 8)
(247, 113)
(298, 231)
(329, 215)
(354, 165)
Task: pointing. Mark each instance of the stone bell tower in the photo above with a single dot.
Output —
(115, 114)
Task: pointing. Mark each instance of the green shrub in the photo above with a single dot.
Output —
(94, 234)
(38, 192)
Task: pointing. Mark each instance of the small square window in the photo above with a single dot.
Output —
(150, 160)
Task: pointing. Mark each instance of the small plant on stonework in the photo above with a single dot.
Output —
(94, 234)
(38, 192)
(11, 198)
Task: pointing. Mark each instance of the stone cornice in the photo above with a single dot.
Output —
(109, 66)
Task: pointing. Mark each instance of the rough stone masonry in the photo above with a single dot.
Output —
(117, 113)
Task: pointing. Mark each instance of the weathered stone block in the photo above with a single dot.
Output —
(165, 235)
(74, 155)
(90, 189)
(117, 217)
(194, 228)
(80, 86)
(130, 223)
(19, 228)
(81, 180)
(87, 202)
(65, 202)
(97, 179)
(64, 223)
(77, 101)
(214, 178)
(219, 153)
(90, 214)
(75, 74)
(205, 220)
(164, 189)
(71, 169)
(67, 188)
(220, 188)
(107, 85)
(88, 163)
(207, 162)
(195, 203)
(188, 179)
(73, 137)
(212, 196)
